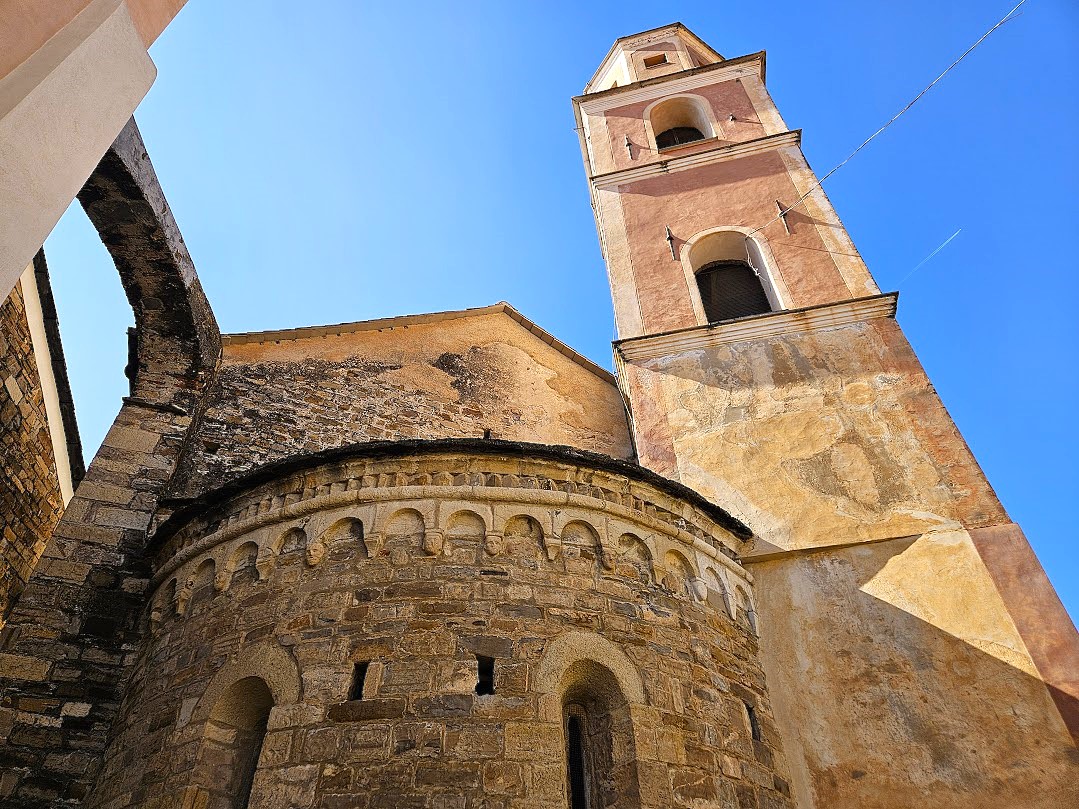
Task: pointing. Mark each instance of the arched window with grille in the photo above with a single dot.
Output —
(679, 120)
(731, 276)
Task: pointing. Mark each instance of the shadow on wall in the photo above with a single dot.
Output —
(899, 678)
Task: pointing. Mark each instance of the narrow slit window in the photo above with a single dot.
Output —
(655, 61)
(575, 758)
(754, 723)
(485, 674)
(359, 677)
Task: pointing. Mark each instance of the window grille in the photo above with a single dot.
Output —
(678, 135)
(731, 289)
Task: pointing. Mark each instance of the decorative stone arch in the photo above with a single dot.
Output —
(680, 575)
(736, 243)
(528, 524)
(584, 539)
(683, 109)
(719, 592)
(230, 721)
(346, 533)
(243, 555)
(271, 663)
(633, 550)
(745, 611)
(400, 525)
(569, 649)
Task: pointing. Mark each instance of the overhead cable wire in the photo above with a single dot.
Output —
(1007, 17)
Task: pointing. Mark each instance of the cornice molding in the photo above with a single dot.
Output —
(773, 324)
(596, 103)
(605, 182)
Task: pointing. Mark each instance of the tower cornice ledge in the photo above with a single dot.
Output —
(790, 321)
(604, 182)
(752, 64)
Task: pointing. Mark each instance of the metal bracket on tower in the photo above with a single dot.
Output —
(670, 241)
(629, 148)
(783, 216)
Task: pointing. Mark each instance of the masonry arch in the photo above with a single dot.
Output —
(680, 575)
(231, 720)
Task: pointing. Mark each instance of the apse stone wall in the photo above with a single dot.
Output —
(582, 585)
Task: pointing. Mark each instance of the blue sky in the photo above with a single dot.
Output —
(332, 162)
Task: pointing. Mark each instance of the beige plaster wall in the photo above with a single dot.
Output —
(909, 664)
(60, 109)
(900, 680)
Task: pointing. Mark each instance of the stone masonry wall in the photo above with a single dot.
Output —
(570, 578)
(30, 499)
(454, 377)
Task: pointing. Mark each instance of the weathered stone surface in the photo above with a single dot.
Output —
(82, 631)
(30, 499)
(420, 733)
(454, 375)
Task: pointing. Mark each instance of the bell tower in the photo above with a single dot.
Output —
(764, 368)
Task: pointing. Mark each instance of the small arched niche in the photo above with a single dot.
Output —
(344, 539)
(679, 574)
(202, 584)
(580, 541)
(466, 525)
(634, 559)
(405, 530)
(242, 564)
(729, 277)
(678, 121)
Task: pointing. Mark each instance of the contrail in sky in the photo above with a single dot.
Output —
(924, 260)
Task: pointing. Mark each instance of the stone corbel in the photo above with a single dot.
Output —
(607, 555)
(434, 542)
(493, 543)
(699, 588)
(552, 543)
(315, 552)
(183, 596)
(373, 543)
(222, 579)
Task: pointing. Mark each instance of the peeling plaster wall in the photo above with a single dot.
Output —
(454, 378)
(896, 647)
(812, 439)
